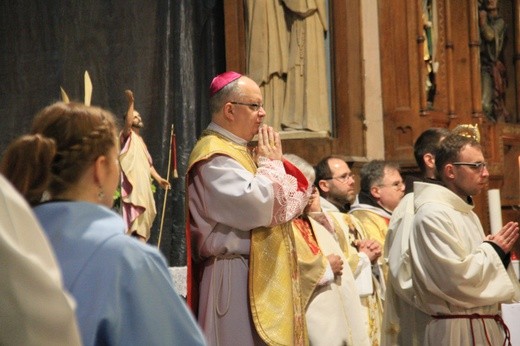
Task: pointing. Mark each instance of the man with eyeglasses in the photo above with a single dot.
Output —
(234, 195)
(400, 314)
(336, 184)
(460, 275)
(381, 190)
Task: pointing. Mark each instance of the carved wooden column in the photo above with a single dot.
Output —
(474, 56)
(420, 58)
(449, 61)
(517, 56)
(235, 33)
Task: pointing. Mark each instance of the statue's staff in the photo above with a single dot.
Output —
(173, 148)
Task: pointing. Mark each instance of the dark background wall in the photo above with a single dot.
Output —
(166, 51)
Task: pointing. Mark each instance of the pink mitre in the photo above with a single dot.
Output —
(221, 81)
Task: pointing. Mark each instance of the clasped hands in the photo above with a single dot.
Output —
(506, 237)
(372, 248)
(269, 143)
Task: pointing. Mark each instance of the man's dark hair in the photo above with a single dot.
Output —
(449, 150)
(428, 142)
(373, 172)
(323, 169)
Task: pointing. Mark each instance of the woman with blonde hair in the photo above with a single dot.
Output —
(123, 289)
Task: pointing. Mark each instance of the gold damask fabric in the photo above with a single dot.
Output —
(274, 286)
(312, 264)
(212, 143)
(346, 232)
(374, 227)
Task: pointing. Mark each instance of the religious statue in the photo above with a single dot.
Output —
(137, 170)
(430, 34)
(493, 71)
(267, 54)
(286, 57)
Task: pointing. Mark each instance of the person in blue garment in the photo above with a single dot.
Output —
(124, 292)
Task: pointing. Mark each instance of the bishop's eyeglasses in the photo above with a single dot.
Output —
(254, 106)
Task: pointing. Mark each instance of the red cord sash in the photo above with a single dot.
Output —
(497, 318)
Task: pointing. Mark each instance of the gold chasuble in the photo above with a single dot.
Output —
(346, 241)
(372, 303)
(375, 227)
(274, 285)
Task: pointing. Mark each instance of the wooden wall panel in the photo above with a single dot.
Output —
(461, 77)
(398, 24)
(347, 78)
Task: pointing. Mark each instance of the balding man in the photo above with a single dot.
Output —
(230, 192)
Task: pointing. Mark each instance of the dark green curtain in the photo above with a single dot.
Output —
(165, 51)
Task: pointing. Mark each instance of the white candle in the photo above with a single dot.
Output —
(495, 210)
